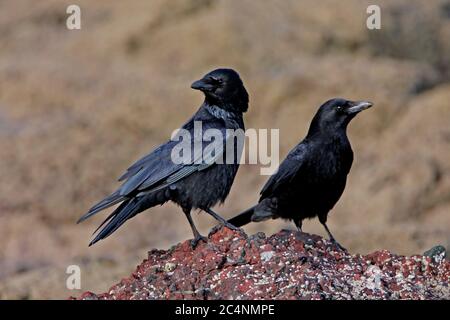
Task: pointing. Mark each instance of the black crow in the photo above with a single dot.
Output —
(312, 178)
(198, 184)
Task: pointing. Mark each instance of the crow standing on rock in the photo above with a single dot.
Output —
(312, 178)
(198, 184)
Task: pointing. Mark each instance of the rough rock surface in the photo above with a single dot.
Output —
(287, 265)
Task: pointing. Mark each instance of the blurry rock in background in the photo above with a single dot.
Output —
(78, 107)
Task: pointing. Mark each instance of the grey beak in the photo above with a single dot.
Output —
(359, 106)
(201, 85)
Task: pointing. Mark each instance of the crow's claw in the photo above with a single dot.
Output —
(230, 226)
(339, 245)
(197, 239)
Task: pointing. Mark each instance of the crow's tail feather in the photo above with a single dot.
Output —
(127, 210)
(243, 218)
(109, 201)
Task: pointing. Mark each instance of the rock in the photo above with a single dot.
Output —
(169, 267)
(287, 265)
(437, 253)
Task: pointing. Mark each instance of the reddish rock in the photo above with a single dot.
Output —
(287, 265)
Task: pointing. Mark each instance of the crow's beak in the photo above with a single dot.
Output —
(201, 85)
(359, 106)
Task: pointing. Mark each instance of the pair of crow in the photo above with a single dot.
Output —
(307, 184)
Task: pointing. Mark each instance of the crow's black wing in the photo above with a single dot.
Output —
(146, 191)
(154, 166)
(166, 172)
(290, 168)
(157, 170)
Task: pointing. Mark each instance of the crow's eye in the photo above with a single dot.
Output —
(216, 80)
(339, 108)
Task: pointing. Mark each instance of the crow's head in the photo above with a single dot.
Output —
(225, 89)
(337, 113)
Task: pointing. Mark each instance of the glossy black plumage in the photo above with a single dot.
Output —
(156, 178)
(312, 178)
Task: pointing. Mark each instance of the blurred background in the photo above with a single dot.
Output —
(78, 107)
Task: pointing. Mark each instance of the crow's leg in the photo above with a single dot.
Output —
(220, 219)
(197, 236)
(323, 221)
(298, 224)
